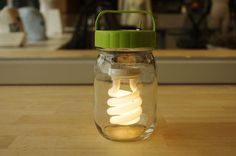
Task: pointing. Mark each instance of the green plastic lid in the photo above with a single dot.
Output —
(125, 38)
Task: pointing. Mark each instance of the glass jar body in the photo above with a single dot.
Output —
(125, 89)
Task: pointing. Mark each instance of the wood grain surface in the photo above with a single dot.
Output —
(58, 121)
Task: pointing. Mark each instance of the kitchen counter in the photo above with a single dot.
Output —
(77, 66)
(193, 120)
(9, 54)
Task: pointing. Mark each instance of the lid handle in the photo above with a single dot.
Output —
(126, 11)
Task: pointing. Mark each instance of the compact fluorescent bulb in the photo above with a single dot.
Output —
(125, 105)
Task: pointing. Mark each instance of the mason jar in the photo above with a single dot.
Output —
(125, 85)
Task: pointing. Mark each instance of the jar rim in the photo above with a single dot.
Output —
(125, 50)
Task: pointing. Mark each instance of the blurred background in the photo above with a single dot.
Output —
(181, 24)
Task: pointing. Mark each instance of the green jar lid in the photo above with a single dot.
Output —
(125, 38)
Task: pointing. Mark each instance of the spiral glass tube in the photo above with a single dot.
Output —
(125, 106)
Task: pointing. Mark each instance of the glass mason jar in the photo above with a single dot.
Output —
(125, 88)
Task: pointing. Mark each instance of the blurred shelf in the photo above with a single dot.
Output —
(76, 67)
(46, 53)
(42, 46)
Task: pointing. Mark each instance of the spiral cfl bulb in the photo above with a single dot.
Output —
(125, 106)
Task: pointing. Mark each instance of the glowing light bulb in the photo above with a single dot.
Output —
(125, 106)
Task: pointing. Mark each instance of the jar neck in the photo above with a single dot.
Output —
(127, 56)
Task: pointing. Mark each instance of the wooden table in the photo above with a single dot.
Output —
(58, 121)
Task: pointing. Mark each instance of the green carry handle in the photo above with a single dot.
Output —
(125, 11)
